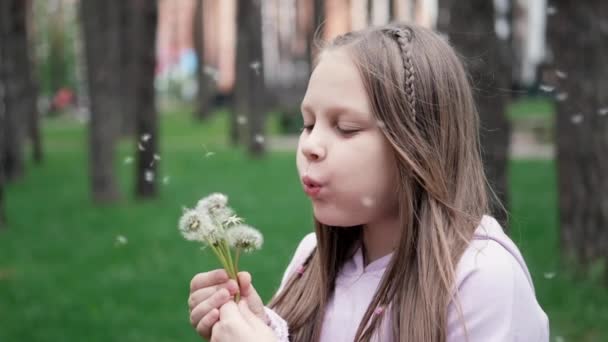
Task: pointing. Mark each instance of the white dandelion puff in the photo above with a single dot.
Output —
(128, 160)
(244, 237)
(215, 200)
(233, 221)
(241, 119)
(259, 139)
(145, 137)
(190, 225)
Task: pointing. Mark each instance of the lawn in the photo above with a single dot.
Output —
(65, 276)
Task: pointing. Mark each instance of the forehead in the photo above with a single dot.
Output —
(336, 82)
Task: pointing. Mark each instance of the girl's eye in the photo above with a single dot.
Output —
(307, 128)
(345, 131)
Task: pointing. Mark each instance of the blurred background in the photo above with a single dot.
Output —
(114, 115)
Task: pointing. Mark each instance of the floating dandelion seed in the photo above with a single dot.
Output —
(128, 160)
(207, 152)
(367, 201)
(381, 124)
(559, 339)
(141, 147)
(547, 88)
(145, 137)
(149, 176)
(255, 65)
(241, 119)
(602, 111)
(166, 180)
(551, 10)
(156, 157)
(120, 240)
(259, 139)
(577, 119)
(549, 275)
(563, 96)
(211, 72)
(560, 74)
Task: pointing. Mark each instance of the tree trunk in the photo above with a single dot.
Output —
(128, 67)
(3, 221)
(33, 122)
(249, 90)
(579, 40)
(101, 22)
(204, 80)
(17, 83)
(487, 63)
(144, 48)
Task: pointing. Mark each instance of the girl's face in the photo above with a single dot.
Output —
(344, 161)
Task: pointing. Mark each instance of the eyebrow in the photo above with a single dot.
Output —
(335, 110)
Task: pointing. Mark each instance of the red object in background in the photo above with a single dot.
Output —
(63, 98)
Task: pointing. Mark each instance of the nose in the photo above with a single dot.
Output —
(313, 148)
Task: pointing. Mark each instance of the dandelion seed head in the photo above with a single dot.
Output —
(244, 237)
(213, 201)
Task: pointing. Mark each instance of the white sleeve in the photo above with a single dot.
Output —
(278, 325)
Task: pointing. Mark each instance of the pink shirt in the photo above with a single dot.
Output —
(495, 292)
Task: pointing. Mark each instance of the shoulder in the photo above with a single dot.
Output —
(494, 290)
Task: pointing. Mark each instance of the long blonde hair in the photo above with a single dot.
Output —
(418, 90)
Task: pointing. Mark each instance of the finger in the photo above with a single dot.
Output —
(205, 325)
(245, 283)
(215, 301)
(198, 296)
(207, 279)
(229, 310)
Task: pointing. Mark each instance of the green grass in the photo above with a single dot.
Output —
(64, 278)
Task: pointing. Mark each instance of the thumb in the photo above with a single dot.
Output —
(249, 316)
(250, 295)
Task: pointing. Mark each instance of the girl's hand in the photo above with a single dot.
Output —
(238, 323)
(210, 290)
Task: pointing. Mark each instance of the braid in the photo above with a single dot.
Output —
(404, 40)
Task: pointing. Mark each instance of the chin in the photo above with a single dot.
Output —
(336, 219)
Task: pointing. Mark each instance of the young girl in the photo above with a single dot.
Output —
(403, 249)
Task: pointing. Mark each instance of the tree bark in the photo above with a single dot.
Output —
(33, 122)
(144, 49)
(100, 22)
(3, 221)
(16, 79)
(251, 93)
(578, 36)
(486, 60)
(128, 67)
(204, 81)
